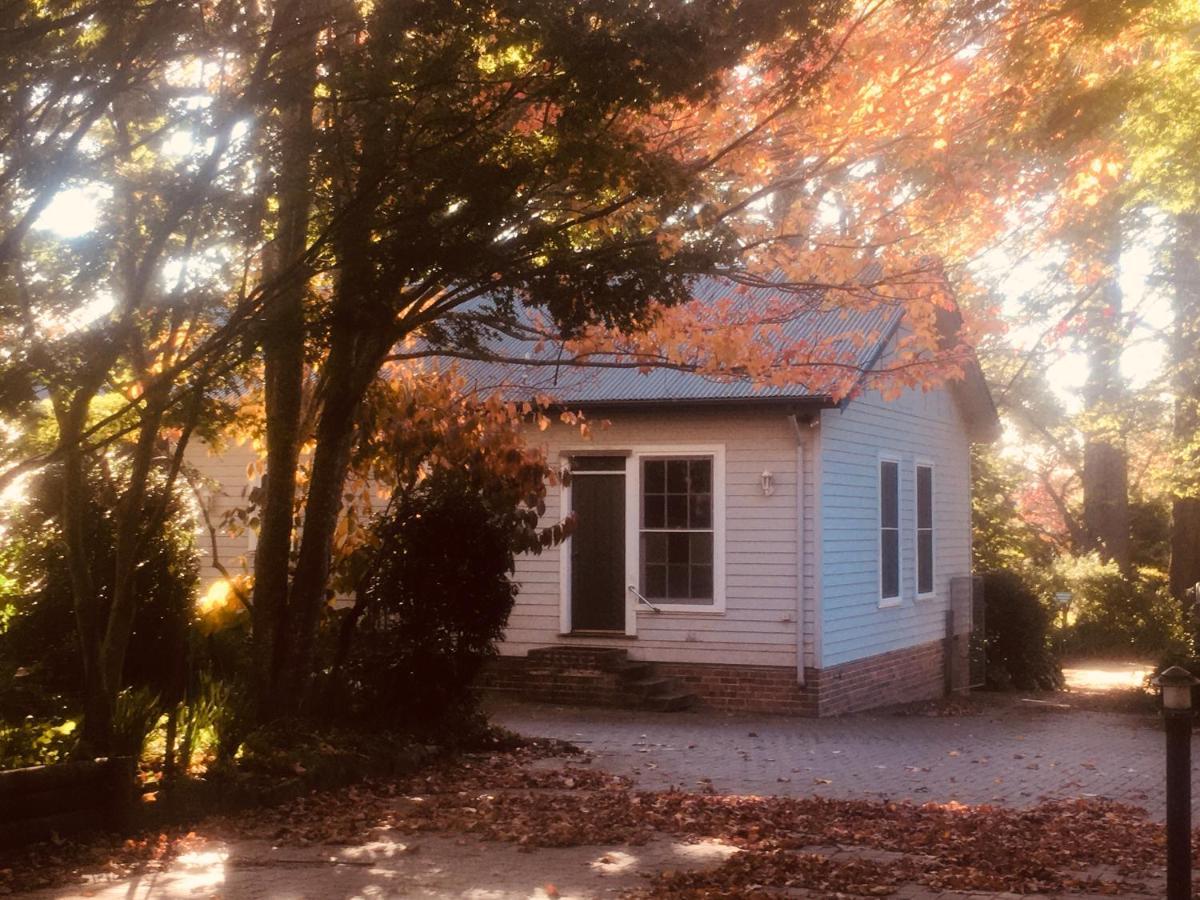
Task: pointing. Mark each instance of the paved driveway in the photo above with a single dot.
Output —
(1011, 753)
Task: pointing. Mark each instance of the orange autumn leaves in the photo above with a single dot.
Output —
(923, 143)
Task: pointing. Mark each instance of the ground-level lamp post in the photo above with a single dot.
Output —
(1176, 683)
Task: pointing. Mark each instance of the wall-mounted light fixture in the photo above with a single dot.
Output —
(768, 483)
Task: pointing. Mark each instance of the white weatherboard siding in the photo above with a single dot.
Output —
(758, 626)
(226, 487)
(915, 428)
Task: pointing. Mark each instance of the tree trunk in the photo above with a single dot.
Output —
(129, 526)
(71, 413)
(353, 364)
(1185, 363)
(1105, 460)
(283, 352)
(361, 332)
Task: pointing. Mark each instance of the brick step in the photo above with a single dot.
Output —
(669, 702)
(606, 659)
(598, 676)
(652, 687)
(632, 670)
(575, 677)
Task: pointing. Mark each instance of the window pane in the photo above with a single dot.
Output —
(890, 562)
(653, 511)
(677, 511)
(677, 582)
(655, 586)
(924, 562)
(677, 476)
(654, 548)
(924, 497)
(677, 540)
(654, 476)
(889, 499)
(677, 547)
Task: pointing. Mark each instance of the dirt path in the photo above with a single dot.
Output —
(1091, 676)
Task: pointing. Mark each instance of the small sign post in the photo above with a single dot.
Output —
(1063, 599)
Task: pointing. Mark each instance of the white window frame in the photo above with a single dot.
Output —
(251, 532)
(888, 602)
(917, 465)
(633, 523)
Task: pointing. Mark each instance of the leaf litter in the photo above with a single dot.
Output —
(785, 843)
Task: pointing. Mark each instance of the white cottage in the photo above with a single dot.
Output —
(744, 549)
(766, 550)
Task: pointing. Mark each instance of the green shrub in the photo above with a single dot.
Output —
(434, 604)
(1019, 651)
(134, 715)
(1115, 613)
(38, 638)
(37, 743)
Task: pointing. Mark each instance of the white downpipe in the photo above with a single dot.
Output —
(799, 551)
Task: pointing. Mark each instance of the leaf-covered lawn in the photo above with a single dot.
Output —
(859, 848)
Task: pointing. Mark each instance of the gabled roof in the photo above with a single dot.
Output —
(604, 382)
(546, 370)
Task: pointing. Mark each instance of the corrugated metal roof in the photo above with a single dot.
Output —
(787, 318)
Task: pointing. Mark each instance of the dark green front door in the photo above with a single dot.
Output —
(598, 544)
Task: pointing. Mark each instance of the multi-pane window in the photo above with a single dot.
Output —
(924, 529)
(677, 529)
(889, 530)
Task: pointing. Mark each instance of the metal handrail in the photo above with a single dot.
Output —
(639, 596)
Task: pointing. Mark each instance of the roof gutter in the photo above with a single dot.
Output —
(801, 403)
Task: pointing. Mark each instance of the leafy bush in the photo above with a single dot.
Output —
(37, 743)
(1019, 652)
(223, 713)
(432, 607)
(1114, 613)
(134, 715)
(37, 638)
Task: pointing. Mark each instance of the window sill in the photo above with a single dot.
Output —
(890, 602)
(597, 635)
(682, 610)
(932, 595)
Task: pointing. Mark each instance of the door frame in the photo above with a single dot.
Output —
(564, 551)
(633, 506)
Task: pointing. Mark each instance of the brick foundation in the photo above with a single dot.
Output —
(901, 676)
(752, 689)
(513, 676)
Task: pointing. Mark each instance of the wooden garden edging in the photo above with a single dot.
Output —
(40, 801)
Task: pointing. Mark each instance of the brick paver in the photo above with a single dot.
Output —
(1010, 754)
